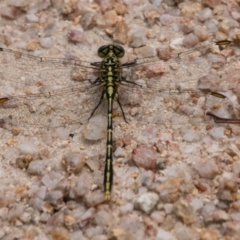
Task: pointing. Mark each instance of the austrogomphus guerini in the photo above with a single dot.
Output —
(43, 94)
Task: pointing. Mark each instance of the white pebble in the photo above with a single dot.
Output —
(32, 17)
(205, 14)
(126, 208)
(217, 132)
(27, 147)
(46, 42)
(96, 128)
(147, 201)
(164, 235)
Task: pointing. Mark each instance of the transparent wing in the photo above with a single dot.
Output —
(57, 91)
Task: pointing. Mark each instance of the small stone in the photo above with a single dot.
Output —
(88, 20)
(146, 202)
(232, 228)
(158, 216)
(217, 216)
(24, 161)
(169, 190)
(164, 54)
(15, 211)
(211, 25)
(27, 147)
(212, 3)
(166, 19)
(206, 168)
(32, 17)
(127, 208)
(76, 35)
(190, 41)
(120, 8)
(46, 42)
(217, 132)
(185, 211)
(9, 12)
(96, 128)
(39, 167)
(210, 82)
(69, 220)
(144, 157)
(60, 233)
(110, 18)
(73, 162)
(32, 45)
(205, 14)
(120, 32)
(191, 136)
(138, 38)
(201, 33)
(210, 234)
(15, 131)
(164, 235)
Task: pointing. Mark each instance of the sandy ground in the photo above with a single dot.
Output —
(176, 172)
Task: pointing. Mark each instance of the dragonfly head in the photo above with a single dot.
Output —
(111, 50)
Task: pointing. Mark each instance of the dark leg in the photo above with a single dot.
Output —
(95, 81)
(99, 103)
(130, 64)
(119, 103)
(124, 80)
(96, 64)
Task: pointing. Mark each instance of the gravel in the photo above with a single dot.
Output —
(174, 178)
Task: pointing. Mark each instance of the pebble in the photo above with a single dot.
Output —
(169, 190)
(190, 41)
(166, 19)
(164, 235)
(206, 168)
(27, 147)
(32, 17)
(138, 38)
(120, 33)
(15, 212)
(210, 234)
(158, 216)
(110, 18)
(191, 136)
(76, 35)
(218, 216)
(144, 157)
(39, 167)
(88, 20)
(146, 202)
(96, 128)
(205, 14)
(231, 228)
(217, 132)
(127, 208)
(73, 162)
(46, 42)
(185, 212)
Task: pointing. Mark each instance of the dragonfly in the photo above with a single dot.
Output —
(52, 92)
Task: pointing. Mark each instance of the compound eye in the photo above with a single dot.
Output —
(103, 51)
(119, 51)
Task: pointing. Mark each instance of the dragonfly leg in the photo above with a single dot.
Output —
(97, 80)
(131, 82)
(99, 103)
(130, 64)
(96, 64)
(120, 105)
